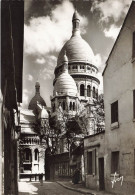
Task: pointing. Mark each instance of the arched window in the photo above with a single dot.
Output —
(81, 90)
(70, 106)
(88, 67)
(63, 105)
(73, 105)
(88, 90)
(97, 94)
(93, 92)
(36, 154)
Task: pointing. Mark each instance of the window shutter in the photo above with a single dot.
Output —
(94, 161)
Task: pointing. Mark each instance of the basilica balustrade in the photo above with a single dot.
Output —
(87, 69)
(30, 141)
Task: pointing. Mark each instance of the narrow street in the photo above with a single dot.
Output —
(48, 188)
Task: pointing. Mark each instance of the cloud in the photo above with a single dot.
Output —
(111, 9)
(25, 98)
(97, 60)
(100, 77)
(47, 34)
(40, 60)
(112, 32)
(30, 77)
(48, 71)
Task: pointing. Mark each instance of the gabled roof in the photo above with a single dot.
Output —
(133, 2)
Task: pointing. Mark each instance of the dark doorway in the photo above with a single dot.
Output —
(101, 174)
(47, 164)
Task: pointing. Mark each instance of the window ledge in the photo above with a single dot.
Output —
(114, 125)
(133, 59)
(115, 174)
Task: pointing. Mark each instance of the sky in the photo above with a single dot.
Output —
(48, 25)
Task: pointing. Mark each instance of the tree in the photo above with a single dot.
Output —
(91, 118)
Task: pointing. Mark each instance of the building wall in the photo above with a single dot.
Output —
(119, 83)
(93, 142)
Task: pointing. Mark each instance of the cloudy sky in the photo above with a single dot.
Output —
(48, 25)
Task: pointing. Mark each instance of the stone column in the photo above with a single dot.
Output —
(33, 158)
(67, 103)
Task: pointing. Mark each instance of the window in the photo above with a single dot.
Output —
(93, 92)
(36, 154)
(73, 105)
(115, 162)
(134, 104)
(88, 90)
(81, 90)
(70, 106)
(133, 52)
(28, 154)
(91, 162)
(88, 67)
(63, 105)
(114, 112)
(97, 94)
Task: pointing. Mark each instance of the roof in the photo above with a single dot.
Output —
(26, 116)
(133, 2)
(77, 50)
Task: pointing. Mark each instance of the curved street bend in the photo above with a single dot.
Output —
(48, 188)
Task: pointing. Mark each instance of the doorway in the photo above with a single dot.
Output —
(101, 174)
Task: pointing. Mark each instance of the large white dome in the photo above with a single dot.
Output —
(77, 50)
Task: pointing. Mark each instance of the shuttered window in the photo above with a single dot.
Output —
(114, 112)
(91, 162)
(115, 162)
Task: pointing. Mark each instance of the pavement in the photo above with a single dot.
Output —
(48, 188)
(81, 188)
(55, 188)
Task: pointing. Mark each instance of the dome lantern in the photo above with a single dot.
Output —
(37, 88)
(76, 23)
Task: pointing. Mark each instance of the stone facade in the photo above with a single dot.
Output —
(94, 155)
(12, 27)
(119, 86)
(31, 148)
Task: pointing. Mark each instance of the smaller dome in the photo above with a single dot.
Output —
(33, 102)
(37, 97)
(65, 84)
(44, 113)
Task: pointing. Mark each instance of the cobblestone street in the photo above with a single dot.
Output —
(48, 188)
